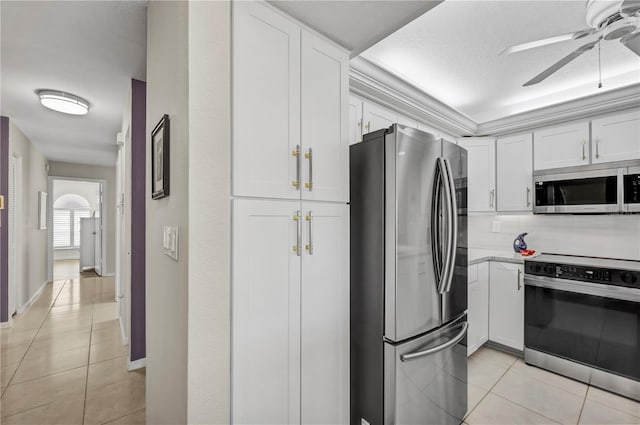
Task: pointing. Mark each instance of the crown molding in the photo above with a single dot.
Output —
(379, 85)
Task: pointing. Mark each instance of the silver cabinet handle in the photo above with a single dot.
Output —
(368, 125)
(309, 184)
(428, 351)
(528, 196)
(309, 246)
(492, 195)
(296, 153)
(597, 148)
(584, 156)
(519, 284)
(360, 122)
(296, 247)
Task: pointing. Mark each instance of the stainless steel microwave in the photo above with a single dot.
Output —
(600, 189)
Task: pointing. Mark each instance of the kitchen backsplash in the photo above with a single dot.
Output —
(614, 236)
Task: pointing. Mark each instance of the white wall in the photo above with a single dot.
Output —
(32, 240)
(66, 169)
(167, 279)
(614, 236)
(209, 212)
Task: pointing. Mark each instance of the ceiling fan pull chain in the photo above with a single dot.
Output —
(599, 66)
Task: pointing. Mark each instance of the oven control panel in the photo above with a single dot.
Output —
(583, 273)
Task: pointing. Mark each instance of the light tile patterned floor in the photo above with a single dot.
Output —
(505, 390)
(63, 361)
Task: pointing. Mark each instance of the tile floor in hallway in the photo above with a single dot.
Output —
(63, 362)
(504, 390)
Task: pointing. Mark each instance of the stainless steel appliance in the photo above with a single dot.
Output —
(631, 190)
(582, 320)
(589, 189)
(408, 279)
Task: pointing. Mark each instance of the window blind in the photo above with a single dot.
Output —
(61, 228)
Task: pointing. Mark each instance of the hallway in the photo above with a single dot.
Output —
(63, 361)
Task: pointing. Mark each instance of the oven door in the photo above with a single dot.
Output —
(586, 192)
(596, 325)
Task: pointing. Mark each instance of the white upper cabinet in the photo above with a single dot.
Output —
(515, 173)
(266, 102)
(355, 120)
(325, 138)
(506, 301)
(481, 160)
(563, 146)
(616, 137)
(375, 117)
(325, 314)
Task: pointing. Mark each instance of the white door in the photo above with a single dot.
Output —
(325, 314)
(481, 171)
(616, 138)
(506, 305)
(87, 242)
(515, 173)
(563, 146)
(14, 254)
(325, 138)
(98, 235)
(266, 312)
(478, 306)
(266, 102)
(355, 120)
(375, 117)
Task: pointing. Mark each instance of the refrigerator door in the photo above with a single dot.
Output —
(426, 378)
(454, 301)
(412, 299)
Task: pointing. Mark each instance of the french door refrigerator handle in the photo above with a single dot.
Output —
(433, 350)
(452, 227)
(436, 224)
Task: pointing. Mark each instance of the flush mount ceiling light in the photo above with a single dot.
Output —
(63, 102)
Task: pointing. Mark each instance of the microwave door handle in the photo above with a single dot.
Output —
(436, 228)
(452, 227)
(433, 350)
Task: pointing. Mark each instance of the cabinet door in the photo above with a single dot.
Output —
(478, 306)
(266, 313)
(266, 102)
(325, 314)
(506, 305)
(563, 146)
(616, 138)
(515, 173)
(376, 117)
(481, 163)
(355, 120)
(325, 139)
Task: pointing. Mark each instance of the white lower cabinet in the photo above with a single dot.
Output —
(478, 311)
(290, 301)
(506, 301)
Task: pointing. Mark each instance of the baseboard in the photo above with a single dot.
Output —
(7, 324)
(35, 295)
(123, 334)
(108, 275)
(504, 348)
(136, 364)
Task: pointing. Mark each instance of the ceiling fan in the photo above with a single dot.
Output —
(608, 20)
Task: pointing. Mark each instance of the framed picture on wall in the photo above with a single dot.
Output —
(42, 210)
(160, 159)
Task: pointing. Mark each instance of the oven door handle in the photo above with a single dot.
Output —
(587, 288)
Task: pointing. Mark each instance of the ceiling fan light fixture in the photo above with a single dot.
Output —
(620, 32)
(66, 103)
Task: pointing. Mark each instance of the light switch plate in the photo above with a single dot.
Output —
(170, 241)
(495, 226)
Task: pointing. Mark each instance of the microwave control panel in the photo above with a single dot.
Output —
(632, 189)
(628, 278)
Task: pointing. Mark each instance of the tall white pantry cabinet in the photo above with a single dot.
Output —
(290, 236)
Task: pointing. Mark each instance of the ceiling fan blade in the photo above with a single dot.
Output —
(632, 42)
(546, 41)
(630, 7)
(562, 62)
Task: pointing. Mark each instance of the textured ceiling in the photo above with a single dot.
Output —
(89, 48)
(451, 53)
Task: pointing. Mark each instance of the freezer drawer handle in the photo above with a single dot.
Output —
(429, 351)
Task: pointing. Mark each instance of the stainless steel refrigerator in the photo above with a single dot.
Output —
(408, 279)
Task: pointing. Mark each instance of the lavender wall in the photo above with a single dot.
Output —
(4, 219)
(138, 217)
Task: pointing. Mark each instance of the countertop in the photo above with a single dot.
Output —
(478, 255)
